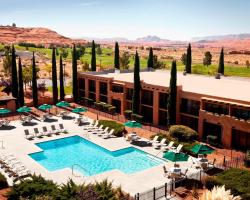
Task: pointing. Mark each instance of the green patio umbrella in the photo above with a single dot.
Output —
(132, 124)
(4, 111)
(202, 149)
(79, 110)
(175, 157)
(45, 107)
(24, 109)
(63, 104)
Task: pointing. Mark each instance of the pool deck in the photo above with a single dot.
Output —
(15, 143)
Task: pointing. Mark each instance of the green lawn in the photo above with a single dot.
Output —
(67, 89)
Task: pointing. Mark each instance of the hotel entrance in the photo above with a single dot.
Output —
(117, 104)
(240, 139)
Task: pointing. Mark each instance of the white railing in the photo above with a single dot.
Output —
(77, 165)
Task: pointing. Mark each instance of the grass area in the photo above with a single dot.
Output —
(67, 89)
(107, 60)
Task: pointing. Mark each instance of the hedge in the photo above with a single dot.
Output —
(183, 133)
(119, 129)
(3, 182)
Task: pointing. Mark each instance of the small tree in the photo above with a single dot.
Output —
(117, 56)
(247, 63)
(14, 82)
(62, 93)
(221, 62)
(151, 58)
(74, 75)
(7, 61)
(99, 51)
(124, 60)
(189, 60)
(158, 64)
(20, 83)
(184, 59)
(207, 60)
(64, 53)
(54, 77)
(93, 57)
(137, 86)
(34, 82)
(172, 96)
(27, 75)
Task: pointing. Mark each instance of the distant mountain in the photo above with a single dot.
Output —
(107, 40)
(222, 37)
(150, 38)
(44, 36)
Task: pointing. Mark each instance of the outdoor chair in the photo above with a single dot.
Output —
(46, 132)
(211, 165)
(169, 146)
(54, 130)
(204, 166)
(37, 133)
(178, 149)
(28, 135)
(165, 171)
(62, 129)
(105, 131)
(155, 139)
(108, 135)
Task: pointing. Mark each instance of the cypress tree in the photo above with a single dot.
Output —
(189, 59)
(117, 57)
(14, 81)
(93, 57)
(20, 83)
(137, 86)
(54, 77)
(151, 58)
(221, 62)
(62, 93)
(34, 83)
(74, 75)
(172, 96)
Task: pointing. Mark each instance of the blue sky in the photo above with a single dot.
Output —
(170, 19)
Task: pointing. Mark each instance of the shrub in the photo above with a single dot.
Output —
(128, 113)
(210, 182)
(247, 161)
(183, 133)
(136, 117)
(3, 182)
(106, 107)
(111, 109)
(119, 129)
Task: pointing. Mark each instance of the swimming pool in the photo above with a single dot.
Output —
(93, 159)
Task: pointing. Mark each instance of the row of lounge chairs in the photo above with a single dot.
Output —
(99, 130)
(13, 167)
(25, 119)
(4, 122)
(45, 132)
(165, 147)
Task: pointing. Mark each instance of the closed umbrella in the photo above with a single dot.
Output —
(79, 110)
(45, 107)
(132, 124)
(63, 104)
(175, 157)
(202, 149)
(4, 111)
(24, 109)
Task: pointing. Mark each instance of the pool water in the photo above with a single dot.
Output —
(93, 159)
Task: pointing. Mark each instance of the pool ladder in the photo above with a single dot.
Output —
(77, 165)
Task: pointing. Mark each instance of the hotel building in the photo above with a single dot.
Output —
(219, 107)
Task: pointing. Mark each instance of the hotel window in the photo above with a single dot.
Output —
(81, 83)
(129, 94)
(117, 88)
(190, 122)
(91, 85)
(81, 93)
(242, 114)
(163, 100)
(128, 105)
(147, 114)
(163, 116)
(217, 108)
(147, 97)
(103, 88)
(103, 98)
(190, 107)
(92, 96)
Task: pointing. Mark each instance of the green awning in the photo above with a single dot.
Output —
(24, 109)
(63, 104)
(132, 124)
(45, 107)
(79, 110)
(4, 111)
(202, 149)
(175, 157)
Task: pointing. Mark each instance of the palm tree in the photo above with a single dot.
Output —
(105, 190)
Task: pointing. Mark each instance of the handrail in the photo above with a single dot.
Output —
(155, 156)
(72, 169)
(2, 147)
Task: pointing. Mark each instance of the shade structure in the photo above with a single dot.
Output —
(4, 111)
(202, 149)
(79, 110)
(24, 109)
(45, 107)
(175, 157)
(132, 124)
(63, 104)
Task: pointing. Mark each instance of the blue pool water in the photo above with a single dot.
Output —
(93, 159)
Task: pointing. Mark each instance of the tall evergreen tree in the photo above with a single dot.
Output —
(137, 86)
(221, 62)
(20, 83)
(151, 58)
(74, 75)
(189, 59)
(93, 57)
(117, 56)
(62, 93)
(54, 77)
(14, 80)
(34, 82)
(172, 96)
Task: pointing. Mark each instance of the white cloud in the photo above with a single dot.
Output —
(86, 4)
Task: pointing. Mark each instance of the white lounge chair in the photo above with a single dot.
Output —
(37, 133)
(178, 149)
(105, 131)
(108, 135)
(163, 142)
(54, 130)
(155, 140)
(96, 130)
(91, 126)
(62, 129)
(46, 131)
(169, 146)
(28, 135)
